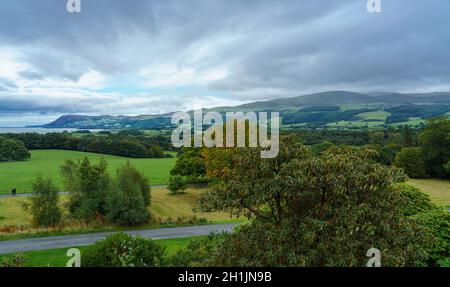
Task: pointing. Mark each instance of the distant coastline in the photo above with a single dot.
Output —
(18, 130)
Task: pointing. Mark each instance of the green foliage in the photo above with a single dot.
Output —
(123, 250)
(321, 147)
(125, 143)
(310, 210)
(190, 163)
(198, 253)
(125, 203)
(12, 150)
(177, 184)
(437, 222)
(413, 200)
(44, 204)
(411, 159)
(435, 142)
(87, 185)
(17, 260)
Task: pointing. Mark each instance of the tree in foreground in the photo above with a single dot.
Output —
(307, 210)
(87, 185)
(126, 204)
(44, 203)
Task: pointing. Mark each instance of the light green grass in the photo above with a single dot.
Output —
(437, 189)
(164, 206)
(379, 115)
(47, 162)
(414, 122)
(58, 258)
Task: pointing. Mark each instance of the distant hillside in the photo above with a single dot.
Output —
(334, 109)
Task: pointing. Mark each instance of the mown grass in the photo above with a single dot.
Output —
(437, 189)
(58, 258)
(20, 175)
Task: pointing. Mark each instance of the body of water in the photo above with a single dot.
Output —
(38, 130)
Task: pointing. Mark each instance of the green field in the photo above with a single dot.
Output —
(47, 162)
(377, 115)
(438, 190)
(58, 258)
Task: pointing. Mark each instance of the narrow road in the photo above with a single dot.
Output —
(60, 193)
(69, 241)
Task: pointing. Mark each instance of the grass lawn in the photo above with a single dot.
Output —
(377, 115)
(47, 162)
(164, 205)
(58, 258)
(437, 189)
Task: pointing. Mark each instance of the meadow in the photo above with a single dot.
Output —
(20, 174)
(438, 190)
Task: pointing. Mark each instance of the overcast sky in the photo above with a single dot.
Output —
(146, 57)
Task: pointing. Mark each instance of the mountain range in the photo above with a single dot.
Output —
(339, 109)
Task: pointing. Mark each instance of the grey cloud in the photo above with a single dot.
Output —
(269, 48)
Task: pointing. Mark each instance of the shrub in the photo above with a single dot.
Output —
(411, 160)
(123, 250)
(177, 184)
(44, 204)
(437, 222)
(413, 200)
(17, 260)
(198, 253)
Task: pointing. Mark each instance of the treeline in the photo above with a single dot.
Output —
(123, 143)
(12, 150)
(403, 113)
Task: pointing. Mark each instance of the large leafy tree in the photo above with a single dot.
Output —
(87, 185)
(435, 142)
(13, 150)
(307, 210)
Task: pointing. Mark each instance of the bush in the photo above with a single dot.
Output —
(437, 222)
(198, 253)
(123, 250)
(17, 260)
(413, 200)
(177, 184)
(44, 204)
(411, 160)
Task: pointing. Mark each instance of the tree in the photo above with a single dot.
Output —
(411, 160)
(87, 185)
(44, 203)
(189, 163)
(307, 210)
(435, 143)
(13, 150)
(123, 250)
(413, 200)
(125, 204)
(177, 184)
